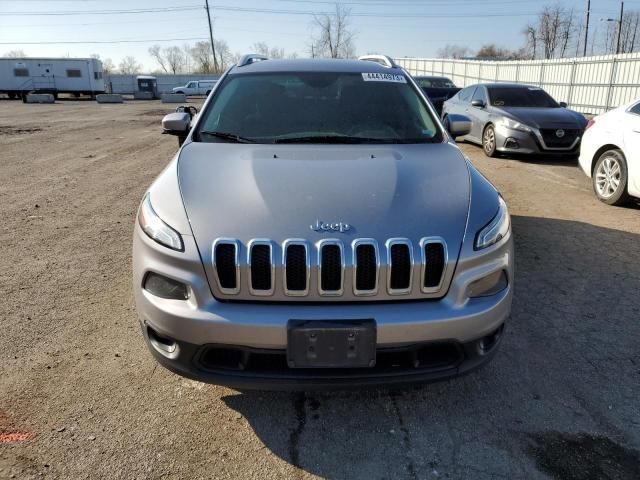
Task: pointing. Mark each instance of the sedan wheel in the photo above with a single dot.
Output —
(489, 141)
(610, 178)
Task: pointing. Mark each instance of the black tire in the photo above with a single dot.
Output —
(12, 95)
(611, 167)
(489, 141)
(208, 92)
(180, 92)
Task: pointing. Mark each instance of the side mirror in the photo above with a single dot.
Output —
(563, 104)
(178, 124)
(478, 103)
(458, 125)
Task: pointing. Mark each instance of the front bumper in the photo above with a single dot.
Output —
(193, 326)
(529, 143)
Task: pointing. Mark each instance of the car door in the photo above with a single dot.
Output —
(191, 88)
(458, 104)
(632, 147)
(478, 114)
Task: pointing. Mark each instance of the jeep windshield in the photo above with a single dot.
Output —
(528, 97)
(319, 108)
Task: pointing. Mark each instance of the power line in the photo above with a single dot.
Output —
(103, 12)
(74, 42)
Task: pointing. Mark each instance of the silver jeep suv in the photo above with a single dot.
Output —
(319, 228)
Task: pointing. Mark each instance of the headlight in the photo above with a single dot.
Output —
(513, 125)
(156, 229)
(497, 229)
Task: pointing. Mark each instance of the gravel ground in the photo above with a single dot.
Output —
(81, 397)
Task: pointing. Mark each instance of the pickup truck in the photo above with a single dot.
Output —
(196, 87)
(438, 89)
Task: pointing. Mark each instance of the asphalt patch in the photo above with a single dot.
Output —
(18, 131)
(583, 457)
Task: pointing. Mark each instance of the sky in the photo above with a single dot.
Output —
(417, 28)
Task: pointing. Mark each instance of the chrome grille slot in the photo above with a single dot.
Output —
(329, 270)
(400, 254)
(261, 268)
(296, 265)
(331, 273)
(225, 260)
(366, 264)
(434, 260)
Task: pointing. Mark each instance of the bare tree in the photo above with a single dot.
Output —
(175, 59)
(15, 54)
(156, 54)
(171, 59)
(453, 51)
(263, 49)
(333, 36)
(108, 66)
(566, 31)
(531, 34)
(129, 65)
(202, 56)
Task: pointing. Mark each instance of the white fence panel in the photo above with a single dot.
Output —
(590, 84)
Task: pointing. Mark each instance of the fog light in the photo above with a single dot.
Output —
(164, 287)
(511, 143)
(489, 285)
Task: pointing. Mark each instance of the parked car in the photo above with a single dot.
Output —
(320, 228)
(610, 154)
(196, 87)
(519, 119)
(437, 89)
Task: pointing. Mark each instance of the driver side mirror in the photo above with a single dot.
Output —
(478, 103)
(458, 125)
(179, 123)
(563, 104)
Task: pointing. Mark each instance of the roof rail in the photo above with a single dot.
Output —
(384, 60)
(250, 58)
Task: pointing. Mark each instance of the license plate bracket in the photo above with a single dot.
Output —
(331, 343)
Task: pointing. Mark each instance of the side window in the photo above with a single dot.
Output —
(635, 109)
(191, 85)
(21, 72)
(97, 75)
(74, 73)
(479, 95)
(465, 94)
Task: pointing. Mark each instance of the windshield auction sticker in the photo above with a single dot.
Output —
(384, 77)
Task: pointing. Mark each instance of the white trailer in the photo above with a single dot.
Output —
(19, 76)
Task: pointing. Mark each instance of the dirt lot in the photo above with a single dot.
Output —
(81, 397)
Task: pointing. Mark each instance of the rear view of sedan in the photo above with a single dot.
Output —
(517, 119)
(610, 154)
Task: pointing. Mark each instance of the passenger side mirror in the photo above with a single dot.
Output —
(478, 103)
(563, 104)
(458, 125)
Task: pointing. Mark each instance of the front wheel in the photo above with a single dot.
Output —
(610, 178)
(489, 141)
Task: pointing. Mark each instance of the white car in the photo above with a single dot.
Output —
(610, 154)
(196, 87)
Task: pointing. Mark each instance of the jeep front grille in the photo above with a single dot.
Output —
(330, 269)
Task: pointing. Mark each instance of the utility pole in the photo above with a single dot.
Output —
(213, 47)
(586, 30)
(620, 26)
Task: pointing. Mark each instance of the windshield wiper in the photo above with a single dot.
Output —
(331, 139)
(232, 137)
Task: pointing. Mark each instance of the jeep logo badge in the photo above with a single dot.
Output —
(321, 226)
(560, 133)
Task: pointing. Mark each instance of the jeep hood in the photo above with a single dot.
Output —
(277, 191)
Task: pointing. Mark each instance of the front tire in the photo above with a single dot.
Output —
(489, 141)
(610, 178)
